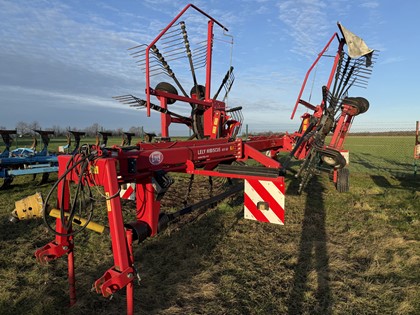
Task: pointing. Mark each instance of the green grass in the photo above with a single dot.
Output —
(378, 154)
(348, 253)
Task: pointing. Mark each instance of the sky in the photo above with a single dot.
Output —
(61, 62)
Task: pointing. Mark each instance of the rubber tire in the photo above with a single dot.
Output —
(201, 91)
(197, 114)
(359, 103)
(343, 176)
(197, 117)
(169, 88)
(340, 161)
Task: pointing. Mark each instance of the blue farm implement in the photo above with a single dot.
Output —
(214, 149)
(26, 161)
(32, 163)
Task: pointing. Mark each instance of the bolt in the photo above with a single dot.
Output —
(65, 247)
(130, 275)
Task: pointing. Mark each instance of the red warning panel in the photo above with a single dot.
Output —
(264, 200)
(128, 191)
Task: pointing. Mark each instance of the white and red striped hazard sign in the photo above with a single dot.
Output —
(264, 200)
(128, 191)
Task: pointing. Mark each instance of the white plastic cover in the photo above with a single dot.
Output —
(356, 46)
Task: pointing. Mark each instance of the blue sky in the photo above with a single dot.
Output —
(62, 61)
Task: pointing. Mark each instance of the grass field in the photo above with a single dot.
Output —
(348, 253)
(382, 154)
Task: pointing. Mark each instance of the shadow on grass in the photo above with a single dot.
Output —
(312, 256)
(381, 181)
(405, 182)
(21, 230)
(410, 182)
(381, 165)
(22, 182)
(28, 288)
(168, 265)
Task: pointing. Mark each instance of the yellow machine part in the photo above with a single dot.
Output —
(80, 221)
(305, 123)
(29, 207)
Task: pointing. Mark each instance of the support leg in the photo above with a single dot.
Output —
(130, 286)
(72, 278)
(122, 273)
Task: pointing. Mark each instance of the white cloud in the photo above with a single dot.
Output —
(390, 60)
(370, 4)
(306, 22)
(82, 99)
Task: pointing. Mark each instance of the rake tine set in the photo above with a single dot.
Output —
(200, 55)
(174, 45)
(236, 114)
(134, 101)
(227, 83)
(189, 54)
(352, 72)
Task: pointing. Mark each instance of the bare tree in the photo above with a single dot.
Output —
(26, 129)
(138, 131)
(58, 131)
(92, 130)
(35, 125)
(22, 128)
(119, 131)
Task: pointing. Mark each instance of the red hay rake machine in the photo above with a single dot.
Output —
(335, 114)
(214, 150)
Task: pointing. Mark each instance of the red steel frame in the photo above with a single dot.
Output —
(114, 168)
(344, 121)
(211, 22)
(214, 109)
(334, 67)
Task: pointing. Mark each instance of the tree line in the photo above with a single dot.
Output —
(27, 129)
